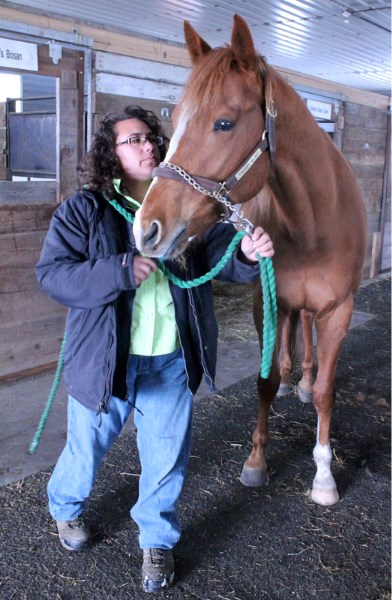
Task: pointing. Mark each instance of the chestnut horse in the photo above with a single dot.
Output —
(238, 115)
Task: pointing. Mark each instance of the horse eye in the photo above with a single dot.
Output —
(223, 125)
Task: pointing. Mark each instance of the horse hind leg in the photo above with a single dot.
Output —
(288, 345)
(286, 354)
(305, 385)
(331, 332)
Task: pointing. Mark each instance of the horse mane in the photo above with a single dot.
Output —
(206, 80)
(266, 74)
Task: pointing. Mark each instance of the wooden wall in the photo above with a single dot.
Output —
(31, 325)
(365, 145)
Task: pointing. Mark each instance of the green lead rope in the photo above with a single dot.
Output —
(51, 397)
(269, 308)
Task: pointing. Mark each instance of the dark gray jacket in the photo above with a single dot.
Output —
(86, 265)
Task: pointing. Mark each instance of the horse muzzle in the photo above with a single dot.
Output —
(152, 241)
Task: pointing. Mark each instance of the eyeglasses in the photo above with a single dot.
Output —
(138, 141)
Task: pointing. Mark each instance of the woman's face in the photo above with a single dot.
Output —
(140, 156)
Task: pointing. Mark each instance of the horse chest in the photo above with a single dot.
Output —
(311, 289)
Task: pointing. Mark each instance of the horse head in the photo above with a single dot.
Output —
(218, 122)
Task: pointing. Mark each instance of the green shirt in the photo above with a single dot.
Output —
(154, 328)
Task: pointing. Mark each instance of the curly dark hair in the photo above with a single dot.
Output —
(101, 165)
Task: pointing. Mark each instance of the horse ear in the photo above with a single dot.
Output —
(195, 44)
(242, 42)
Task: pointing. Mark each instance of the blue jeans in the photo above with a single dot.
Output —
(157, 387)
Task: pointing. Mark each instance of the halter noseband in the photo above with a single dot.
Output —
(220, 191)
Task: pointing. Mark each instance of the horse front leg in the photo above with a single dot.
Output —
(331, 331)
(254, 472)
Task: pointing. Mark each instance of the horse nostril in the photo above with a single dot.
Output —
(152, 237)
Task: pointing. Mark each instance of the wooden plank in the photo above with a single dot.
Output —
(364, 148)
(16, 280)
(30, 345)
(70, 124)
(365, 117)
(4, 173)
(104, 40)
(367, 160)
(24, 373)
(26, 192)
(370, 183)
(68, 136)
(349, 94)
(106, 62)
(21, 249)
(31, 304)
(25, 217)
(141, 88)
(374, 137)
(372, 222)
(371, 199)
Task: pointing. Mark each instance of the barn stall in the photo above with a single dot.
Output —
(84, 72)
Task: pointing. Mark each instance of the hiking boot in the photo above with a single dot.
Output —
(157, 570)
(74, 535)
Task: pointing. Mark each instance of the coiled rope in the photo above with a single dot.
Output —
(269, 313)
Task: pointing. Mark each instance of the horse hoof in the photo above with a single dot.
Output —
(304, 396)
(325, 497)
(253, 477)
(284, 390)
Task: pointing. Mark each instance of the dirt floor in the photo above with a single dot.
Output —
(238, 543)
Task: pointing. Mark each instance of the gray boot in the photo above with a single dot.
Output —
(157, 570)
(74, 535)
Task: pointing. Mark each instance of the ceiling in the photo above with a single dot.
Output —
(343, 41)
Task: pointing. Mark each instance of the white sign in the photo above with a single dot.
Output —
(320, 110)
(18, 55)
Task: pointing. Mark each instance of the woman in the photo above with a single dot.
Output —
(133, 338)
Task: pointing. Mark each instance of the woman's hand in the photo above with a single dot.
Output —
(259, 243)
(142, 267)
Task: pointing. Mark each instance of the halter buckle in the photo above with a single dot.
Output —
(222, 191)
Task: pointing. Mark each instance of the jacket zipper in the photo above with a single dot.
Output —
(210, 380)
(183, 356)
(105, 401)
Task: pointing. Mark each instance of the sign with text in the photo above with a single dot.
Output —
(18, 55)
(320, 110)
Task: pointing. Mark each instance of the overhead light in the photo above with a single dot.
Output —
(346, 14)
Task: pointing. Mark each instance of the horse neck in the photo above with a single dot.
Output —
(301, 177)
